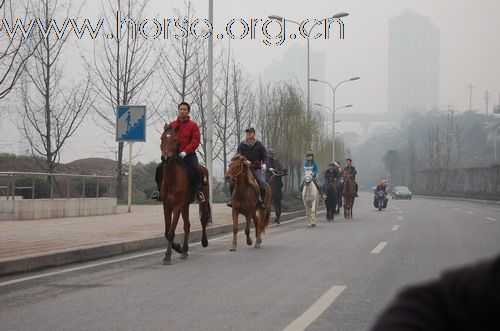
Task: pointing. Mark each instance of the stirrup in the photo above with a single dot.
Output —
(200, 197)
(155, 195)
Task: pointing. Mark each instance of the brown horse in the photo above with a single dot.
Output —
(176, 195)
(245, 200)
(348, 194)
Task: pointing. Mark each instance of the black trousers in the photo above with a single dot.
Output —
(191, 162)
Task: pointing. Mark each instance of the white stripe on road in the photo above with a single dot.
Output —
(491, 219)
(313, 312)
(400, 212)
(395, 228)
(400, 218)
(456, 209)
(98, 264)
(470, 212)
(379, 247)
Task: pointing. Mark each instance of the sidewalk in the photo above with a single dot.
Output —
(33, 244)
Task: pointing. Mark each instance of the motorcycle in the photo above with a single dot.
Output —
(380, 200)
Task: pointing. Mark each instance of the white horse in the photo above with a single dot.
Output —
(310, 196)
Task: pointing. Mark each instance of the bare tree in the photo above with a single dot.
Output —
(122, 68)
(52, 112)
(225, 120)
(180, 65)
(14, 50)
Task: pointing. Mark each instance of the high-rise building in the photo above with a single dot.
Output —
(293, 67)
(413, 64)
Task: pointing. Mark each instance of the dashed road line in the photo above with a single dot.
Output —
(456, 209)
(470, 212)
(395, 228)
(313, 312)
(491, 219)
(400, 218)
(379, 247)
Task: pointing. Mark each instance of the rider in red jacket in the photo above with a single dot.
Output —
(188, 135)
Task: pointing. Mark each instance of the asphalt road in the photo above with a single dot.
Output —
(336, 276)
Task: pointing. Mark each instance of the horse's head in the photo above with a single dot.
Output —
(346, 174)
(308, 174)
(239, 164)
(169, 143)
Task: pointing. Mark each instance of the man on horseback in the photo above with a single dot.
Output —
(188, 133)
(276, 182)
(352, 171)
(256, 154)
(310, 162)
(332, 173)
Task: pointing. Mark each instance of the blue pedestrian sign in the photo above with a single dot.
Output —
(131, 123)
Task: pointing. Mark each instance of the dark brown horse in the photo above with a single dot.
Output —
(348, 194)
(245, 200)
(176, 195)
(330, 189)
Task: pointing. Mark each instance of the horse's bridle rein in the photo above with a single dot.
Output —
(237, 175)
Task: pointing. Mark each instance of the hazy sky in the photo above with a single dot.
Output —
(470, 52)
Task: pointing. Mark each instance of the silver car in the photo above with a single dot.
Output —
(401, 192)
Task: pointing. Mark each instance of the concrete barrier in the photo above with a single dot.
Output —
(55, 208)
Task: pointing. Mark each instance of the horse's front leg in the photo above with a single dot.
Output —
(248, 220)
(167, 215)
(314, 205)
(187, 229)
(258, 235)
(235, 230)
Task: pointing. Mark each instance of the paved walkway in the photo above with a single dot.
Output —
(26, 238)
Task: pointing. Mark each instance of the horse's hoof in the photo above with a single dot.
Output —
(204, 242)
(232, 249)
(249, 242)
(184, 256)
(257, 245)
(167, 261)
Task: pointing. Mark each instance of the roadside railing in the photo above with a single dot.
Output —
(40, 185)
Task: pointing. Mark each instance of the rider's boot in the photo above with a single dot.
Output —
(356, 186)
(263, 199)
(229, 202)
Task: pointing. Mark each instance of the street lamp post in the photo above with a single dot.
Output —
(279, 18)
(333, 121)
(334, 89)
(210, 110)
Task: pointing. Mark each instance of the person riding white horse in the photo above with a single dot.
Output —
(310, 195)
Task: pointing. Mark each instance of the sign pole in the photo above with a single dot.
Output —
(130, 176)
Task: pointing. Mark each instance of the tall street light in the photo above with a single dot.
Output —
(210, 110)
(333, 105)
(280, 18)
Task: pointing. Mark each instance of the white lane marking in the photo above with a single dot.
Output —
(98, 264)
(400, 218)
(379, 247)
(313, 312)
(491, 219)
(456, 209)
(400, 212)
(470, 212)
(395, 228)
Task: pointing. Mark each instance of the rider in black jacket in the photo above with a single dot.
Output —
(352, 170)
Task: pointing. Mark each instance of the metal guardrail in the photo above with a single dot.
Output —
(11, 187)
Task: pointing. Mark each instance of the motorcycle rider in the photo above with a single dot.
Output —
(382, 186)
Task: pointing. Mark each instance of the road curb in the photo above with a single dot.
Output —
(486, 202)
(84, 254)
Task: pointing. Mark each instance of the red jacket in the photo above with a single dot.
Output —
(188, 135)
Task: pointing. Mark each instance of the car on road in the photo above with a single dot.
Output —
(401, 192)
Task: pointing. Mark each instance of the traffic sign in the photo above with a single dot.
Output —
(131, 123)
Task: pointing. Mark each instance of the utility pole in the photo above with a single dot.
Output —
(487, 99)
(470, 96)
